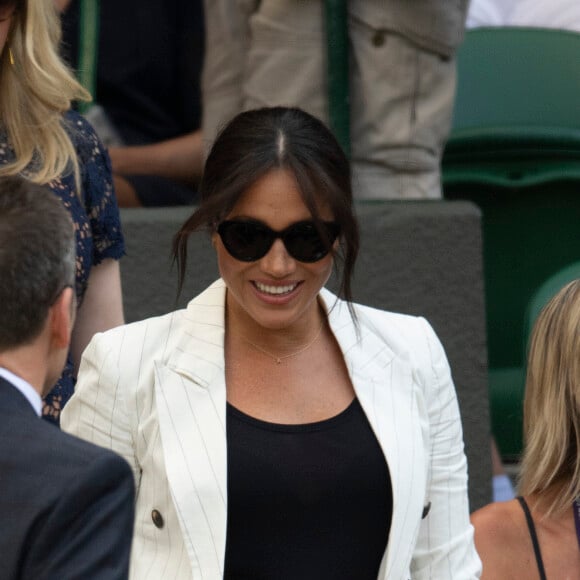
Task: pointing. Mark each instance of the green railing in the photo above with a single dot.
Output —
(338, 79)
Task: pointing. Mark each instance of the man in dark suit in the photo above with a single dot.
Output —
(66, 506)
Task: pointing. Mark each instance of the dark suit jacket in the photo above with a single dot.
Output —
(66, 506)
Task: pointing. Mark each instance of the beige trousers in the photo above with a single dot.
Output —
(273, 52)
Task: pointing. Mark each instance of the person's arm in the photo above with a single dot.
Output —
(87, 534)
(62, 5)
(445, 546)
(179, 159)
(101, 309)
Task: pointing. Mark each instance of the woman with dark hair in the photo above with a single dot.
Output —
(276, 430)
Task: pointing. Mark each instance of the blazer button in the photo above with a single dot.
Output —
(378, 38)
(157, 519)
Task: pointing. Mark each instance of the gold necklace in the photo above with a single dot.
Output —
(279, 359)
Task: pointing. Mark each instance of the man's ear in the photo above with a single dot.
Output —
(62, 317)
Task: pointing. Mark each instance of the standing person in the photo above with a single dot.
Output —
(274, 429)
(146, 86)
(66, 507)
(537, 535)
(42, 139)
(402, 79)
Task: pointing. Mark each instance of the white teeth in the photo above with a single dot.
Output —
(275, 289)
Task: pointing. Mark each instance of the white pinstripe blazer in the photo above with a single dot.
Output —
(154, 391)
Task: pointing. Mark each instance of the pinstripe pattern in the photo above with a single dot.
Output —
(154, 391)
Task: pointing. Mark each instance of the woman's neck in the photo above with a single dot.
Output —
(276, 339)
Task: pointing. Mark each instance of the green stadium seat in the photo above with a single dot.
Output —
(516, 120)
(515, 151)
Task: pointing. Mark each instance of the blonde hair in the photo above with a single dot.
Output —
(551, 461)
(35, 91)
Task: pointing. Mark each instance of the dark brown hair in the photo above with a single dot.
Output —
(8, 7)
(254, 143)
(11, 3)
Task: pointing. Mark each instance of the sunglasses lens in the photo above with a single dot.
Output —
(249, 241)
(245, 241)
(304, 243)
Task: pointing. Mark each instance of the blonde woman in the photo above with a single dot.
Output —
(43, 140)
(537, 535)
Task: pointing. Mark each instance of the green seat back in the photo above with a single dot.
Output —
(545, 293)
(515, 151)
(517, 112)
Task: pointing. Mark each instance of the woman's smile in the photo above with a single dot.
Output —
(275, 289)
(276, 294)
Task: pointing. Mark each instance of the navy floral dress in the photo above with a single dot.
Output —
(97, 226)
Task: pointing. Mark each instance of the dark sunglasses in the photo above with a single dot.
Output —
(250, 240)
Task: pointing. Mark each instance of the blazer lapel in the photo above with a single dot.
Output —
(191, 400)
(383, 383)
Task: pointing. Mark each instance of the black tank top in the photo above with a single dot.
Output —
(306, 502)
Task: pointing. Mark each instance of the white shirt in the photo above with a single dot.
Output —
(563, 14)
(25, 388)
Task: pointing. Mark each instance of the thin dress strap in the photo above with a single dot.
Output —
(577, 519)
(534, 537)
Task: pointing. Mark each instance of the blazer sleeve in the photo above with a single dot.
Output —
(97, 412)
(87, 534)
(445, 546)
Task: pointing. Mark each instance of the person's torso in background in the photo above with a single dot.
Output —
(149, 63)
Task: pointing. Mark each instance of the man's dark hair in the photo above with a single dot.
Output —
(37, 258)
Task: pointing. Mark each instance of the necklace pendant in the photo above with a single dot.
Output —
(278, 360)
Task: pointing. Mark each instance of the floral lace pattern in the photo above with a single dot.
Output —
(97, 224)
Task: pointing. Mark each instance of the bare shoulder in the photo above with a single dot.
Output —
(502, 540)
(496, 517)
